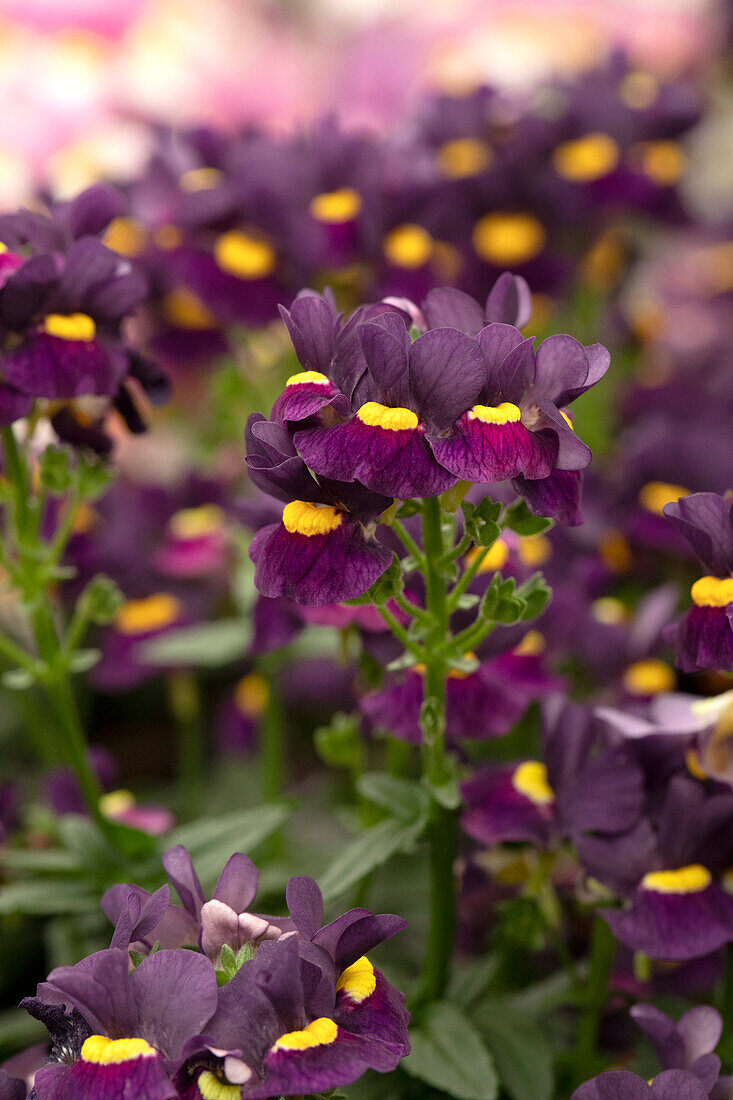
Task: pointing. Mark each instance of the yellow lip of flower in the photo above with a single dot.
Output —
(300, 517)
(464, 157)
(70, 326)
(319, 1033)
(251, 695)
(638, 90)
(313, 376)
(505, 413)
(535, 550)
(655, 495)
(712, 591)
(358, 981)
(184, 309)
(531, 644)
(168, 237)
(530, 779)
(336, 207)
(115, 803)
(246, 257)
(126, 236)
(587, 158)
(506, 239)
(392, 420)
(663, 162)
(409, 246)
(609, 611)
(200, 179)
(150, 613)
(196, 523)
(649, 677)
(692, 763)
(101, 1051)
(615, 550)
(495, 558)
(211, 1088)
(685, 880)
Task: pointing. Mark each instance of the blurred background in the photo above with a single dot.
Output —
(81, 78)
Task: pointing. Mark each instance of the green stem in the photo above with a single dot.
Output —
(411, 608)
(400, 633)
(602, 951)
(409, 543)
(15, 469)
(185, 706)
(61, 697)
(273, 745)
(20, 657)
(726, 999)
(466, 577)
(442, 826)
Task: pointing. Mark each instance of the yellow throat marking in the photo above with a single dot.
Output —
(381, 416)
(300, 517)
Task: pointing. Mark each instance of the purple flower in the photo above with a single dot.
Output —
(62, 302)
(323, 551)
(704, 637)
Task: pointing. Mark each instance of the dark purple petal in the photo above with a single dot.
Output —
(485, 452)
(446, 376)
(385, 344)
(446, 307)
(509, 301)
(180, 870)
(556, 496)
(305, 904)
(706, 521)
(46, 366)
(667, 925)
(317, 569)
(237, 883)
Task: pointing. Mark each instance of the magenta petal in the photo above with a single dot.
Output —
(476, 451)
(47, 366)
(397, 463)
(317, 569)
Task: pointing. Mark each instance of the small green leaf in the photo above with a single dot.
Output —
(94, 477)
(404, 798)
(340, 744)
(406, 660)
(389, 585)
(449, 1054)
(369, 851)
(17, 679)
(55, 470)
(101, 599)
(81, 660)
(518, 518)
(481, 520)
(536, 594)
(522, 1054)
(209, 645)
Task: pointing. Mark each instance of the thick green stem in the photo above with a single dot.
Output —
(65, 710)
(467, 576)
(409, 543)
(16, 472)
(602, 951)
(726, 999)
(442, 827)
(185, 707)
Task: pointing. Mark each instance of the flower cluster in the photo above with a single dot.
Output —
(207, 999)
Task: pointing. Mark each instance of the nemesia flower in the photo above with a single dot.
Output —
(480, 705)
(324, 550)
(63, 299)
(121, 666)
(572, 794)
(690, 1068)
(704, 637)
(668, 865)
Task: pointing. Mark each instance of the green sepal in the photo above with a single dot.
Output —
(339, 744)
(519, 519)
(481, 520)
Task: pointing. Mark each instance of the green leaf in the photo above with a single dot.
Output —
(500, 603)
(389, 585)
(209, 645)
(17, 679)
(55, 470)
(536, 594)
(94, 477)
(481, 520)
(518, 518)
(522, 1053)
(40, 861)
(369, 851)
(448, 1053)
(340, 744)
(81, 660)
(49, 897)
(471, 979)
(404, 798)
(211, 840)
(102, 598)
